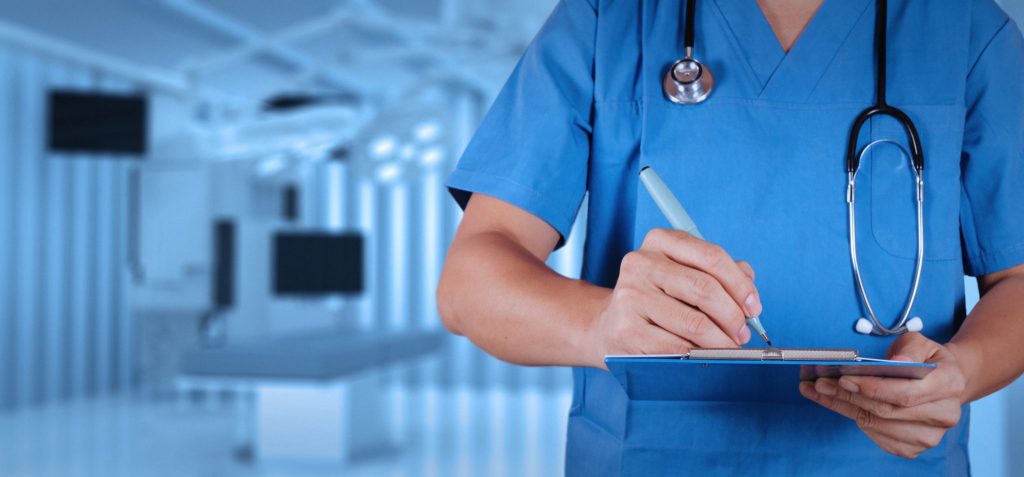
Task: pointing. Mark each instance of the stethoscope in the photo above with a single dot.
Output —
(689, 81)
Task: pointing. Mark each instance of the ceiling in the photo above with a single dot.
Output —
(248, 50)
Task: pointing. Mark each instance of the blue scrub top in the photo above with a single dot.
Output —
(760, 167)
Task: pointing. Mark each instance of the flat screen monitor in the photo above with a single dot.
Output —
(316, 263)
(223, 264)
(84, 122)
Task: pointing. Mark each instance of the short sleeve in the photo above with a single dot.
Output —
(992, 161)
(533, 146)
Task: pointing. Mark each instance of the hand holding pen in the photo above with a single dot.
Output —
(680, 220)
(674, 293)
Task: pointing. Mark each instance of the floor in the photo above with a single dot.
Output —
(446, 433)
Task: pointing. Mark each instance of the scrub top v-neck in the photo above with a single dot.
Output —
(760, 168)
(771, 72)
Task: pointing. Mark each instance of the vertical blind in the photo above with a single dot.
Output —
(65, 329)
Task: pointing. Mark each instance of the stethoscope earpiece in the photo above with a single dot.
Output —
(864, 326)
(915, 156)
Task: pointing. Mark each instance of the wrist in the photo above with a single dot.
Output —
(587, 342)
(968, 360)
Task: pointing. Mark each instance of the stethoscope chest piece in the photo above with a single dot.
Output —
(688, 81)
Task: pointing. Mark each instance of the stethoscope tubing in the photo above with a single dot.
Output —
(900, 326)
(853, 162)
(697, 89)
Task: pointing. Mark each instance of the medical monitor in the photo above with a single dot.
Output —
(317, 263)
(87, 122)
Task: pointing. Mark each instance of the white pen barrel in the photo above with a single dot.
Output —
(667, 203)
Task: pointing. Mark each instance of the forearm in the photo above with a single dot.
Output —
(988, 344)
(508, 302)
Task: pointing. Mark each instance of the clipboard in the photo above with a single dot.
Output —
(746, 374)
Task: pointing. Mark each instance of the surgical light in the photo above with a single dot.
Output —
(389, 172)
(270, 166)
(427, 131)
(383, 146)
(431, 156)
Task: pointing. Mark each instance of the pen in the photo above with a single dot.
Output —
(680, 220)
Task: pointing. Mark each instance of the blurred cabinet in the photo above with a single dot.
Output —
(174, 236)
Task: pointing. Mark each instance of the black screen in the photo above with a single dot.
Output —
(97, 123)
(290, 206)
(224, 264)
(318, 263)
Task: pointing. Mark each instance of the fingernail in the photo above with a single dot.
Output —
(744, 335)
(751, 303)
(825, 387)
(849, 385)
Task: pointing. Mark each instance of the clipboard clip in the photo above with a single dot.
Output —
(773, 354)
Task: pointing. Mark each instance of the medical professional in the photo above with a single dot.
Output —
(761, 166)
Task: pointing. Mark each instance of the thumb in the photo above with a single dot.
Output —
(913, 347)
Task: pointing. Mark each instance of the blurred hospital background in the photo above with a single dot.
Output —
(174, 174)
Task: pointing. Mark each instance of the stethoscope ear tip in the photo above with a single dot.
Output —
(864, 326)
